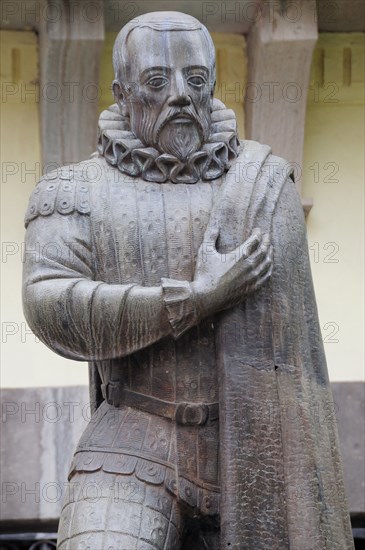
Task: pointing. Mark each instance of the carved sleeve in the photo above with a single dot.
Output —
(179, 301)
(73, 314)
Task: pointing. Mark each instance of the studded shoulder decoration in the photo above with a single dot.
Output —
(64, 191)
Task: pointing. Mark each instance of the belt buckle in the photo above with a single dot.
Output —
(191, 414)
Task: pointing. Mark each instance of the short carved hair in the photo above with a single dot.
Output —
(159, 21)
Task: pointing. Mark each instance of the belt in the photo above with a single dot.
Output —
(186, 414)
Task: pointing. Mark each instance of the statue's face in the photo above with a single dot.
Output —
(169, 89)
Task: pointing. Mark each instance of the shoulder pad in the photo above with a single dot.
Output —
(65, 191)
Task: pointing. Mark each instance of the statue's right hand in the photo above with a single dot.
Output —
(222, 281)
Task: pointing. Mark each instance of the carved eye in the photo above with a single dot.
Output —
(157, 82)
(197, 81)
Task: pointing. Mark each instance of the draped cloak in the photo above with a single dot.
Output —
(280, 470)
(281, 473)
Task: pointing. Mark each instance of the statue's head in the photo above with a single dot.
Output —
(164, 64)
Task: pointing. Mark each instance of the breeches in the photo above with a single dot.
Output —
(104, 511)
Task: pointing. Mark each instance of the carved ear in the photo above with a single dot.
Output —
(117, 91)
(212, 95)
(213, 87)
(119, 96)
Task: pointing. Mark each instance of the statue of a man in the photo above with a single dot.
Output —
(179, 270)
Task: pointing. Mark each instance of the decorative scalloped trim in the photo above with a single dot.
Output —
(59, 192)
(122, 149)
(204, 497)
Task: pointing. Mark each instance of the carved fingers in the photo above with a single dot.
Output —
(254, 257)
(223, 280)
(260, 256)
(250, 246)
(263, 271)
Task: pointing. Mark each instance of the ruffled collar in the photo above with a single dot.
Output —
(123, 149)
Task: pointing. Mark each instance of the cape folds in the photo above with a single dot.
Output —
(280, 466)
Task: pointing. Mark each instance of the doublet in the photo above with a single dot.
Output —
(159, 417)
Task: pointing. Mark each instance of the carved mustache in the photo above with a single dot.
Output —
(187, 111)
(174, 112)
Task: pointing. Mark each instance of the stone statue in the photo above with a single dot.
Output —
(175, 262)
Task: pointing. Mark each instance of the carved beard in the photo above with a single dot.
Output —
(177, 139)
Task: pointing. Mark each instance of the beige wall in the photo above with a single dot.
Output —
(334, 177)
(24, 361)
(334, 137)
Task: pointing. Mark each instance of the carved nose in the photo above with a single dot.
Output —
(179, 101)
